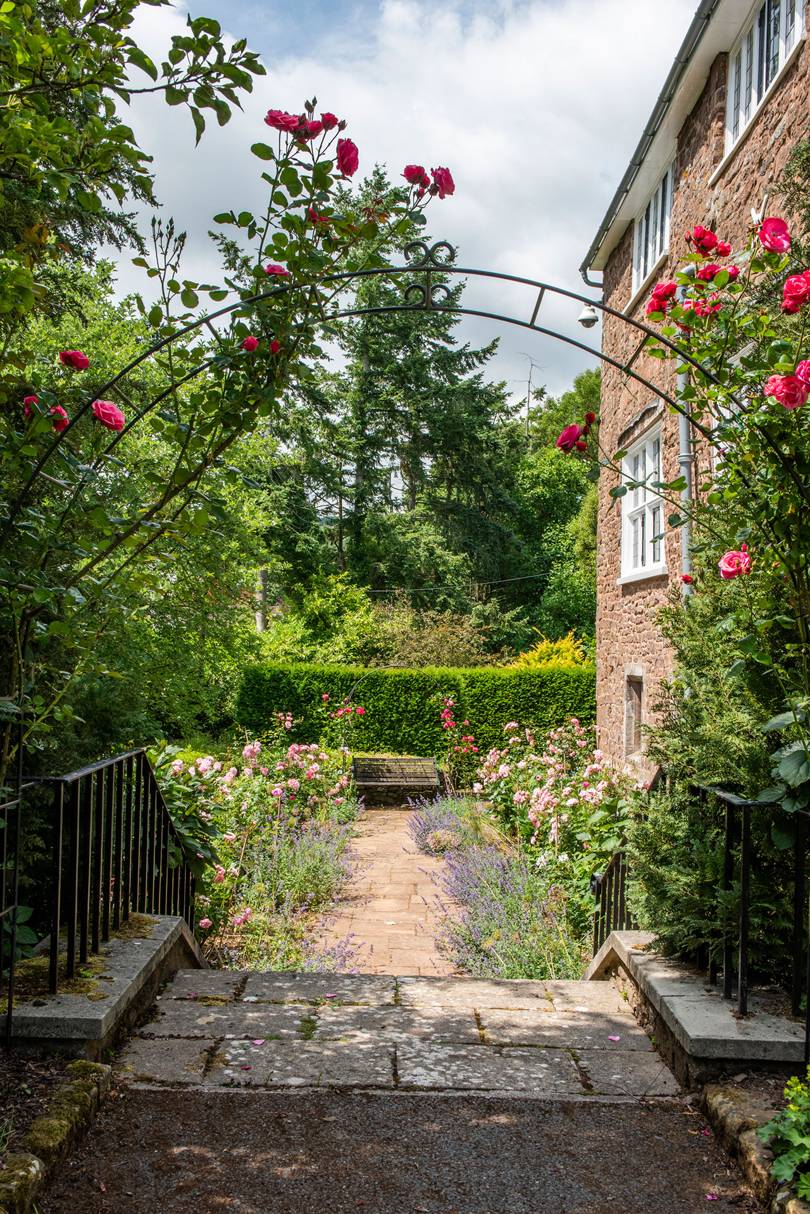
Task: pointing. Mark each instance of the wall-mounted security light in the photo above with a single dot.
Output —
(588, 317)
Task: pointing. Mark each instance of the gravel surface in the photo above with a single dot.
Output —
(213, 1152)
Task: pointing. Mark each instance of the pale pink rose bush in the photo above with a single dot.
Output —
(268, 798)
(560, 797)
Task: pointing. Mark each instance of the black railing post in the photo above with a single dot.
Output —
(745, 899)
(799, 847)
(118, 857)
(126, 899)
(728, 879)
(98, 861)
(106, 869)
(85, 882)
(56, 885)
(11, 907)
(74, 829)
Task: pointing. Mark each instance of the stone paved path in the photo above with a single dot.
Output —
(252, 1093)
(389, 906)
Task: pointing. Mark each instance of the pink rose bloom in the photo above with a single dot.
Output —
(325, 697)
(277, 792)
(774, 235)
(250, 344)
(443, 183)
(294, 784)
(28, 404)
(802, 371)
(219, 875)
(733, 273)
(329, 121)
(707, 273)
(74, 359)
(796, 292)
(275, 270)
(348, 158)
(790, 390)
(732, 564)
(61, 420)
(280, 120)
(704, 239)
(206, 923)
(108, 414)
(415, 174)
(569, 437)
(361, 712)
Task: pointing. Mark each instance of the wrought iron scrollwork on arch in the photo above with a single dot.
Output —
(425, 258)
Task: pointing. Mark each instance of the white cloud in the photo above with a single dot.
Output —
(535, 106)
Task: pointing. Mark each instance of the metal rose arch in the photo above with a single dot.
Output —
(423, 265)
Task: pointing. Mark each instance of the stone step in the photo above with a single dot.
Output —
(547, 1039)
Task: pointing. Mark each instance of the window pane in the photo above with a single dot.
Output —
(735, 105)
(748, 90)
(666, 206)
(655, 530)
(636, 532)
(774, 21)
(762, 48)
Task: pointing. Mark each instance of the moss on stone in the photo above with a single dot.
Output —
(20, 1180)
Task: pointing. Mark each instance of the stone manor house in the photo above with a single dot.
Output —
(735, 103)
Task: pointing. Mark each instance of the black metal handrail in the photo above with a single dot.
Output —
(610, 890)
(114, 852)
(612, 914)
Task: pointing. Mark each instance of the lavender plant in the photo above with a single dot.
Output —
(503, 920)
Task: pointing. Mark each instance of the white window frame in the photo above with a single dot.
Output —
(651, 230)
(771, 34)
(643, 546)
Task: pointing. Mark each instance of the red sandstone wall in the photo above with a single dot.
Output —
(628, 641)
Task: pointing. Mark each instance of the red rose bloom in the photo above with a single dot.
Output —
(280, 120)
(329, 121)
(250, 344)
(704, 239)
(581, 445)
(707, 273)
(722, 248)
(774, 235)
(796, 292)
(415, 174)
(275, 270)
(316, 217)
(61, 421)
(590, 418)
(733, 273)
(443, 182)
(275, 346)
(108, 414)
(569, 437)
(789, 390)
(348, 158)
(802, 372)
(28, 404)
(74, 359)
(687, 579)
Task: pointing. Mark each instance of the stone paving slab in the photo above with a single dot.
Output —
(474, 992)
(597, 1031)
(628, 1073)
(190, 1018)
(371, 989)
(174, 1060)
(207, 984)
(359, 1064)
(538, 1073)
(398, 1023)
(586, 997)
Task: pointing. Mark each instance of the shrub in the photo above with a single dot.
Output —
(567, 650)
(401, 705)
(788, 1136)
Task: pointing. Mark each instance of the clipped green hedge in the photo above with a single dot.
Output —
(402, 714)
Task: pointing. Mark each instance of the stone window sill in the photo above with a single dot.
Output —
(643, 575)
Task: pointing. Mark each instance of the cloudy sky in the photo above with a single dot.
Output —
(535, 105)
